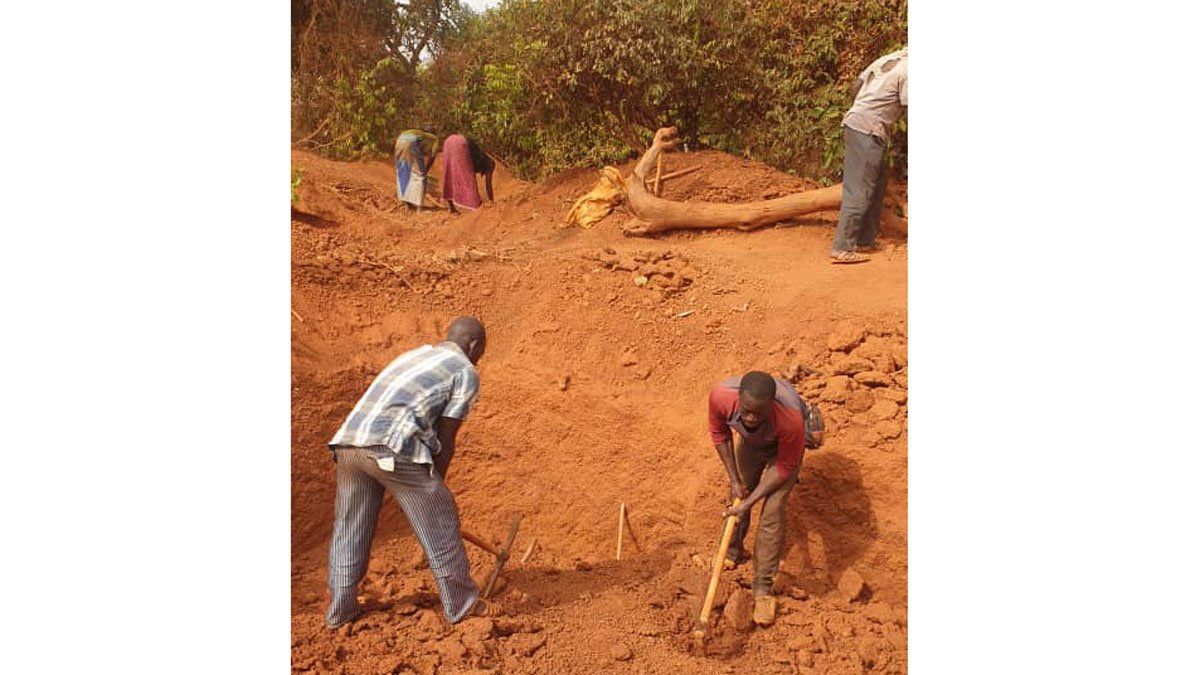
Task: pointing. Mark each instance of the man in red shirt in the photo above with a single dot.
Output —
(769, 416)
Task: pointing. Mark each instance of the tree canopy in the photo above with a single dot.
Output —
(551, 84)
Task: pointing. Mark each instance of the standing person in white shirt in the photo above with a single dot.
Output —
(879, 93)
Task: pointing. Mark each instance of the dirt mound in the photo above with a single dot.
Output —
(601, 352)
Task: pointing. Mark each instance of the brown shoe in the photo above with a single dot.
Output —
(764, 610)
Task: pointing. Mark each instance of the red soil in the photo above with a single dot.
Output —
(370, 281)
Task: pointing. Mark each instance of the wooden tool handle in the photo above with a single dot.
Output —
(512, 533)
(718, 563)
(480, 543)
(502, 555)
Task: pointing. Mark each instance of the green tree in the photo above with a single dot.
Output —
(551, 84)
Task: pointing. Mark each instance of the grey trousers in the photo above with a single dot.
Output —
(864, 181)
(431, 512)
(772, 521)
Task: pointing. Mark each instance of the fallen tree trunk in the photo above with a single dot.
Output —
(656, 214)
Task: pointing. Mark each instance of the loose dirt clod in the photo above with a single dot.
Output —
(739, 610)
(621, 652)
(884, 409)
(845, 338)
(860, 401)
(873, 378)
(851, 585)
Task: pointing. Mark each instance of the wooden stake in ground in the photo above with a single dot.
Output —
(620, 529)
(718, 563)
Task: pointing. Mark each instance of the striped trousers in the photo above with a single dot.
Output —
(431, 512)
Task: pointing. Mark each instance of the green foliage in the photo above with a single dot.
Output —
(551, 84)
(363, 121)
(354, 68)
(297, 176)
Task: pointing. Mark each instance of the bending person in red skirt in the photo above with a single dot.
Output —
(462, 159)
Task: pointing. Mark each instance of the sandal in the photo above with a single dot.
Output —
(848, 257)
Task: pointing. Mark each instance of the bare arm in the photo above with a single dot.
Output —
(770, 481)
(786, 465)
(447, 436)
(736, 487)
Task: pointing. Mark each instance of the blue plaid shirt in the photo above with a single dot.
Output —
(403, 404)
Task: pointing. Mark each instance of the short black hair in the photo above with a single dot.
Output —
(466, 328)
(759, 385)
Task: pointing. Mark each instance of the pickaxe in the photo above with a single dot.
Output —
(501, 553)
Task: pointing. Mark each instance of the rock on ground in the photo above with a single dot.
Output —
(845, 338)
(852, 365)
(851, 585)
(873, 378)
(889, 429)
(860, 401)
(899, 396)
(739, 610)
(884, 409)
(837, 389)
(525, 644)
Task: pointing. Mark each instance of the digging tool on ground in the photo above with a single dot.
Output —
(701, 631)
(500, 553)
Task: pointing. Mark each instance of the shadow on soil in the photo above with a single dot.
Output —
(830, 521)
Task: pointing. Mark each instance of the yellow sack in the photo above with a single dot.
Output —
(595, 205)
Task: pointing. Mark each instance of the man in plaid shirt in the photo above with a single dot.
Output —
(400, 437)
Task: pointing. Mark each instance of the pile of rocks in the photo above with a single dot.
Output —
(859, 379)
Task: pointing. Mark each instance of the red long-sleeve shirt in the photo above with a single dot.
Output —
(784, 425)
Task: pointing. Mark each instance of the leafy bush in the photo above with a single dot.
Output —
(547, 85)
(297, 176)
